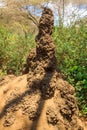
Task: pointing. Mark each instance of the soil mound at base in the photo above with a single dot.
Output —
(24, 108)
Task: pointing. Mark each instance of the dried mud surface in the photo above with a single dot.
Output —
(40, 99)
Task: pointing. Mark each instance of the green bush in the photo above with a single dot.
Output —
(14, 50)
(4, 34)
(71, 52)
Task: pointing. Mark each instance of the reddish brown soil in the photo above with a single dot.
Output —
(41, 99)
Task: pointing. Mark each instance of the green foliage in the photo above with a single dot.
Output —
(71, 52)
(13, 50)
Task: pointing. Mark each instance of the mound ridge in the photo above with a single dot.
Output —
(40, 99)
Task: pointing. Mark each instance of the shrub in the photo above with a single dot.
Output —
(71, 52)
(14, 50)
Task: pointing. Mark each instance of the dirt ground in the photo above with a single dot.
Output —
(23, 108)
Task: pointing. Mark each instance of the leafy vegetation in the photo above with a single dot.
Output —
(71, 52)
(13, 51)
